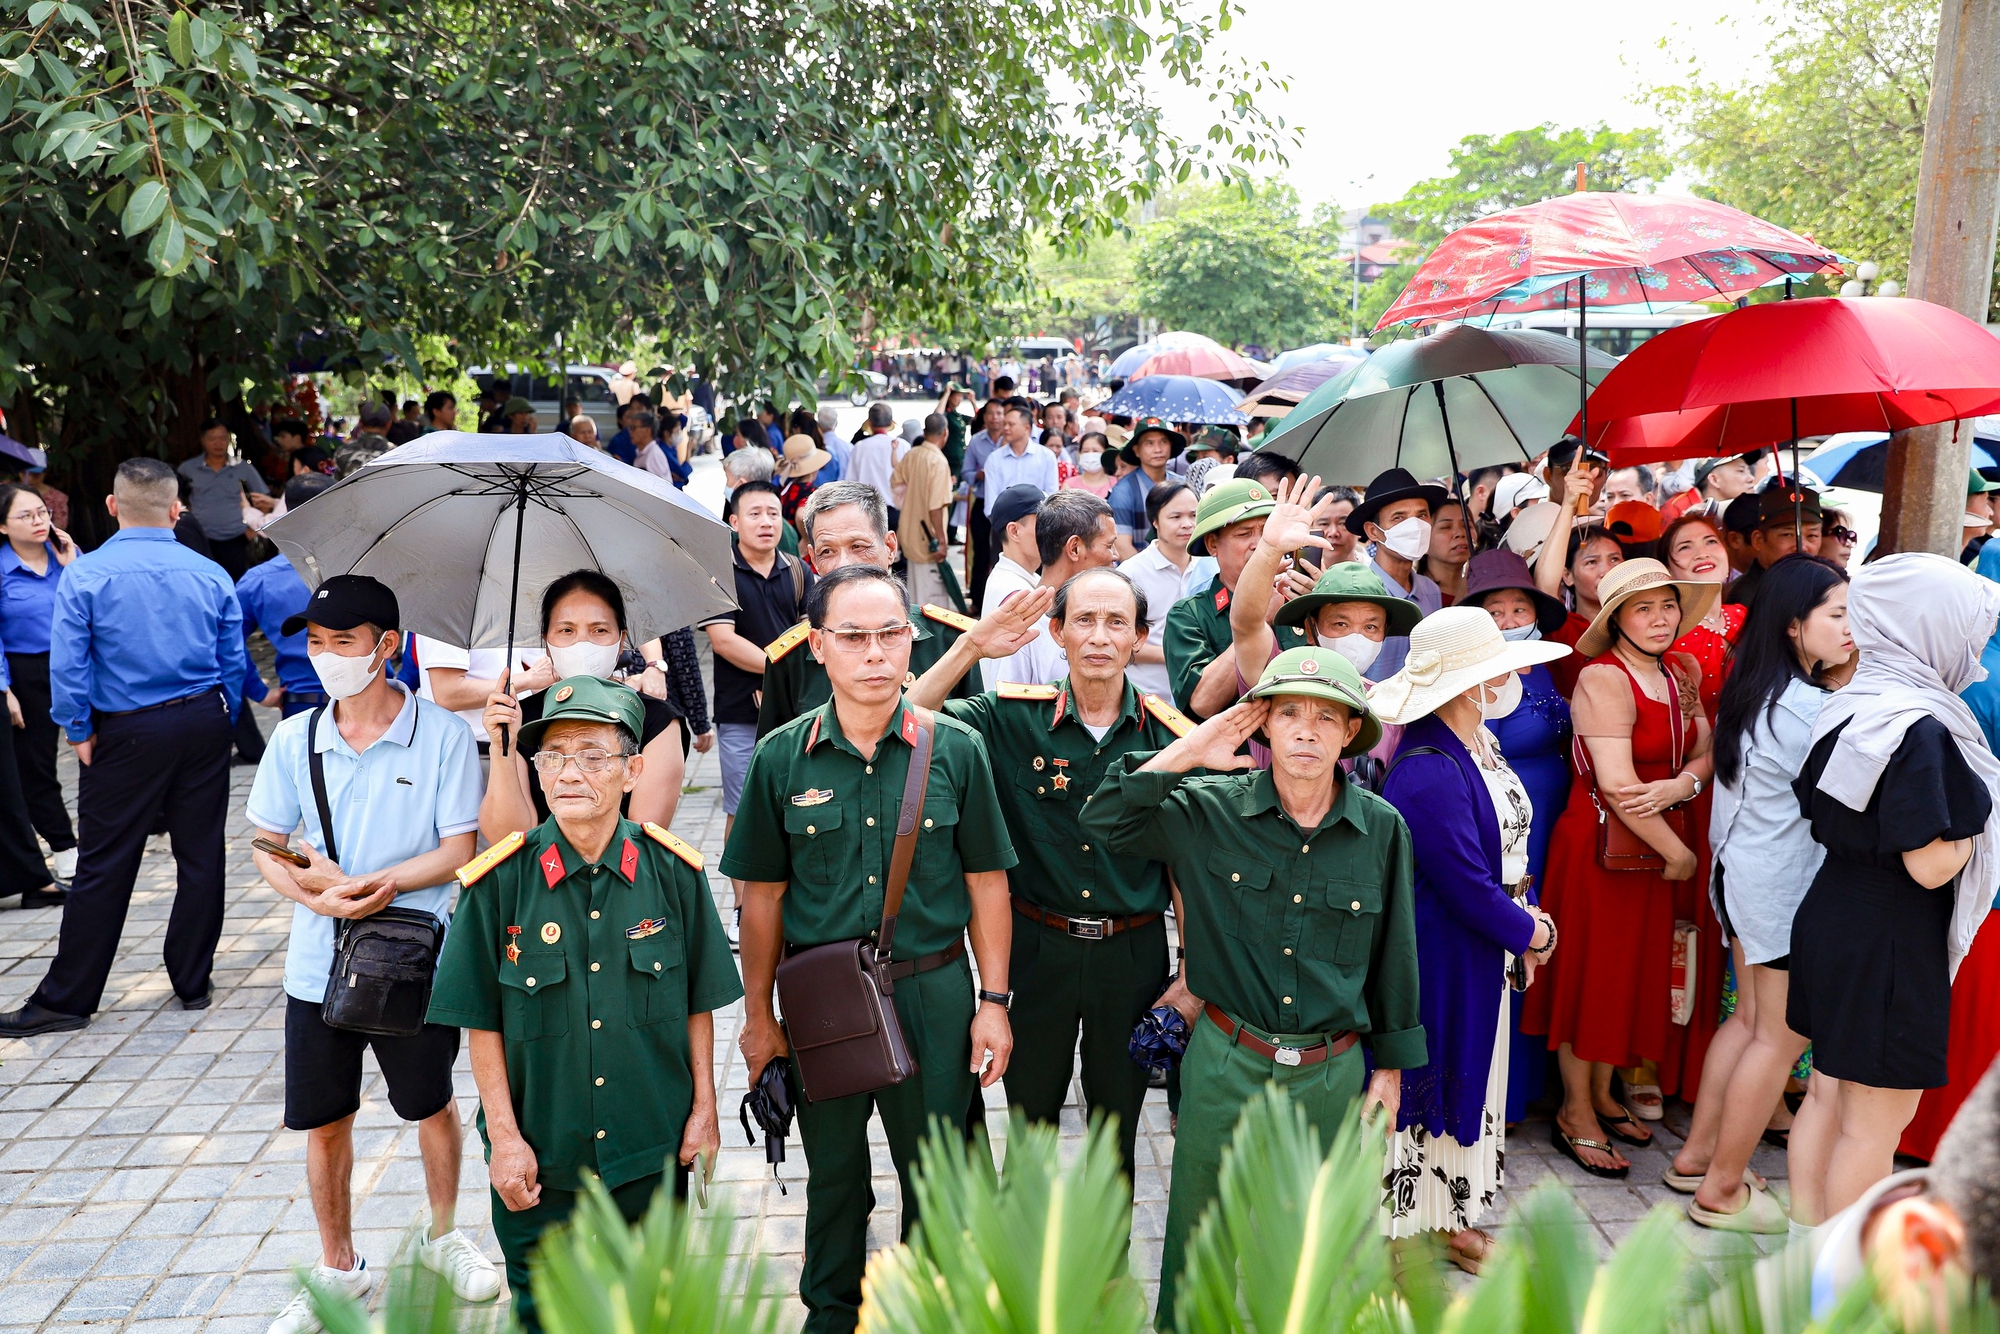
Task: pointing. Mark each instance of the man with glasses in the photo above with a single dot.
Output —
(588, 972)
(814, 836)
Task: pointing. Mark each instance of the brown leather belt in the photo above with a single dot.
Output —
(1313, 1055)
(903, 968)
(1084, 928)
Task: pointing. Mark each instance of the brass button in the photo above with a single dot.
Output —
(593, 968)
(593, 915)
(600, 1134)
(1086, 847)
(1288, 951)
(811, 830)
(597, 1023)
(871, 821)
(600, 1081)
(1040, 790)
(1298, 898)
(1288, 1000)
(871, 879)
(1086, 893)
(531, 981)
(1234, 876)
(867, 768)
(1304, 850)
(656, 966)
(1356, 905)
(927, 824)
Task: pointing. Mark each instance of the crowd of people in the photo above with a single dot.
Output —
(1609, 786)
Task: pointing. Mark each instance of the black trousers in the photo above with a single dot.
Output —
(979, 533)
(170, 761)
(231, 553)
(35, 750)
(21, 864)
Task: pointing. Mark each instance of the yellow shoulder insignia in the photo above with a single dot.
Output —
(1170, 717)
(667, 839)
(1023, 690)
(946, 616)
(787, 641)
(491, 858)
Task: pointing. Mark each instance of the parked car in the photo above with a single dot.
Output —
(860, 385)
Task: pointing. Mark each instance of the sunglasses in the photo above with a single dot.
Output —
(1847, 535)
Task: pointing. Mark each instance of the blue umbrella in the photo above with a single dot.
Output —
(1177, 398)
(1857, 460)
(1300, 356)
(25, 455)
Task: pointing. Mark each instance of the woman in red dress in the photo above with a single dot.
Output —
(1640, 730)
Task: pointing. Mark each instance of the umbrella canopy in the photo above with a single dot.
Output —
(1177, 398)
(1859, 461)
(1135, 356)
(1633, 253)
(25, 455)
(1465, 398)
(1301, 356)
(469, 529)
(1210, 363)
(1278, 395)
(1781, 370)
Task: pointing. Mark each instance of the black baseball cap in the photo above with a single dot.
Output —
(1016, 502)
(345, 601)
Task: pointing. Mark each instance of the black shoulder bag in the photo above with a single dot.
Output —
(383, 965)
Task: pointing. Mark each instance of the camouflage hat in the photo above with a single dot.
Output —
(586, 699)
(1320, 673)
(1231, 502)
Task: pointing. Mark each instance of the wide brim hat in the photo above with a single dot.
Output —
(1451, 651)
(1231, 502)
(586, 699)
(1351, 581)
(1492, 571)
(802, 457)
(1320, 673)
(1626, 581)
(1392, 486)
(1145, 424)
(1531, 527)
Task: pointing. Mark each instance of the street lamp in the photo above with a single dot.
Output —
(1865, 274)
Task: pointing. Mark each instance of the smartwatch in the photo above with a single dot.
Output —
(1003, 999)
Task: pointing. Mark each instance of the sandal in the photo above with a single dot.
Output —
(1684, 1183)
(1759, 1214)
(1467, 1260)
(1611, 1125)
(1569, 1147)
(1636, 1101)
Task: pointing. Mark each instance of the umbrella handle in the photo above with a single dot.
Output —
(506, 682)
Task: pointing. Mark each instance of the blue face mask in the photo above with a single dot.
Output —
(1521, 632)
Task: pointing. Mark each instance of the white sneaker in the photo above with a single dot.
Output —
(298, 1317)
(63, 865)
(458, 1262)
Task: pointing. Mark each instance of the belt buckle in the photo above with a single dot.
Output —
(1089, 928)
(1287, 1056)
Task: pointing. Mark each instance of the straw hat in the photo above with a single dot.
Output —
(1320, 673)
(802, 457)
(1451, 651)
(1625, 582)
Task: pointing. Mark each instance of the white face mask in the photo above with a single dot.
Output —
(1091, 462)
(584, 658)
(1506, 699)
(1410, 539)
(344, 677)
(1521, 632)
(1358, 649)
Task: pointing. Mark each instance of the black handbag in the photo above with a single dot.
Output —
(383, 964)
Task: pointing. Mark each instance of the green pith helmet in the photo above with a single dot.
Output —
(1231, 502)
(1320, 673)
(587, 699)
(1351, 582)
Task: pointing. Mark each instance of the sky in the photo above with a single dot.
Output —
(1384, 92)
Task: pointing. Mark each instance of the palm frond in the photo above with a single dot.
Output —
(1636, 1291)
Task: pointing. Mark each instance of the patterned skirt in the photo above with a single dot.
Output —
(1432, 1183)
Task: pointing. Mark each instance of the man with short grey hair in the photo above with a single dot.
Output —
(835, 444)
(746, 465)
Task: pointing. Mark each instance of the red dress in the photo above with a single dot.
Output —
(1606, 989)
(1975, 1041)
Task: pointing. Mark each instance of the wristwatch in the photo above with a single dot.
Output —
(660, 665)
(1697, 782)
(1003, 999)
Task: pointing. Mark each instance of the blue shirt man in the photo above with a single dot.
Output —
(270, 594)
(139, 622)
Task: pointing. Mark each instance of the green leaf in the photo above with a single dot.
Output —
(168, 250)
(714, 292)
(205, 37)
(162, 299)
(148, 202)
(178, 43)
(40, 11)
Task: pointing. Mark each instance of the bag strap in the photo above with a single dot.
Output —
(908, 817)
(798, 569)
(1414, 750)
(317, 767)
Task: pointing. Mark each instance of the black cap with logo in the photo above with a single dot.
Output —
(345, 601)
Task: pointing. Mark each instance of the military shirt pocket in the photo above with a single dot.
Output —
(661, 984)
(1040, 783)
(820, 846)
(535, 1003)
(937, 838)
(1245, 886)
(1353, 908)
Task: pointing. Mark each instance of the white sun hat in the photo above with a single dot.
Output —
(1530, 528)
(1451, 651)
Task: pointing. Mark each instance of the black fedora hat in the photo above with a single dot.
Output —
(1393, 485)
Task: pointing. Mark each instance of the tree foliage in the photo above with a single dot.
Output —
(1239, 265)
(195, 196)
(1490, 173)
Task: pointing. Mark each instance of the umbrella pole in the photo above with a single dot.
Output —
(1582, 368)
(1450, 449)
(513, 599)
(1798, 485)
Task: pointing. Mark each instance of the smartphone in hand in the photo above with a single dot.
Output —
(281, 852)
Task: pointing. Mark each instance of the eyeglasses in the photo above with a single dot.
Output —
(851, 640)
(32, 516)
(549, 763)
(1847, 535)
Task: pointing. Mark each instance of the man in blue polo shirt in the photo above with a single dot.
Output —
(400, 778)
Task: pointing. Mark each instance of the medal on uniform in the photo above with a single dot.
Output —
(813, 796)
(1061, 780)
(513, 946)
(652, 926)
(1038, 764)
(551, 933)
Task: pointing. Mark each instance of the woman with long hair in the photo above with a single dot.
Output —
(1793, 650)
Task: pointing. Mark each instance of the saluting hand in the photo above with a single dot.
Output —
(515, 1173)
(1213, 745)
(1013, 625)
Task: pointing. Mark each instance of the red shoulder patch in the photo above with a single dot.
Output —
(628, 860)
(552, 865)
(909, 727)
(1222, 599)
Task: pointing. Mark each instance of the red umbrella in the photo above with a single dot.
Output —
(1207, 363)
(1785, 369)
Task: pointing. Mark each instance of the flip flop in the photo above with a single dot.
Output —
(1611, 1125)
(1760, 1214)
(1683, 1183)
(1569, 1148)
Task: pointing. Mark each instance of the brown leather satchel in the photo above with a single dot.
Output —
(838, 1000)
(1618, 848)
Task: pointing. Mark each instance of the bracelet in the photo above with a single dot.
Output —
(1548, 949)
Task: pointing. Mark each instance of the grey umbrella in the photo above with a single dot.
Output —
(469, 529)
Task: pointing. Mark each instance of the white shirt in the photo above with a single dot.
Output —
(1034, 466)
(1007, 578)
(873, 460)
(1765, 857)
(481, 664)
(1039, 662)
(1160, 580)
(654, 460)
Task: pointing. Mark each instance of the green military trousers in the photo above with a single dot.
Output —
(1103, 986)
(1217, 1078)
(519, 1233)
(936, 1012)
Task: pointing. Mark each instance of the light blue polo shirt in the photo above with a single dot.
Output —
(416, 786)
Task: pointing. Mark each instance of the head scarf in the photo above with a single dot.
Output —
(1920, 622)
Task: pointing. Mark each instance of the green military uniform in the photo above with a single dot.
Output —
(1104, 966)
(588, 971)
(1197, 627)
(795, 681)
(821, 820)
(1295, 935)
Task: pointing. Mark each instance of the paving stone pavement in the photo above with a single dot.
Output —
(147, 1182)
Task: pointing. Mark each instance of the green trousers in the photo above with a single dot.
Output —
(936, 1012)
(1103, 986)
(1218, 1078)
(518, 1233)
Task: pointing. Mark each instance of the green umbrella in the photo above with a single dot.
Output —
(1465, 398)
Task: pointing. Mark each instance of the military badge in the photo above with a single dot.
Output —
(650, 927)
(551, 933)
(813, 796)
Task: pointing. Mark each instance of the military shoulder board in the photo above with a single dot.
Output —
(1170, 717)
(946, 616)
(1025, 690)
(674, 844)
(492, 857)
(787, 641)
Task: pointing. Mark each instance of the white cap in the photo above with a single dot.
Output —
(1531, 528)
(1516, 489)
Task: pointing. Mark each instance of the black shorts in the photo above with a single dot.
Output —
(323, 1068)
